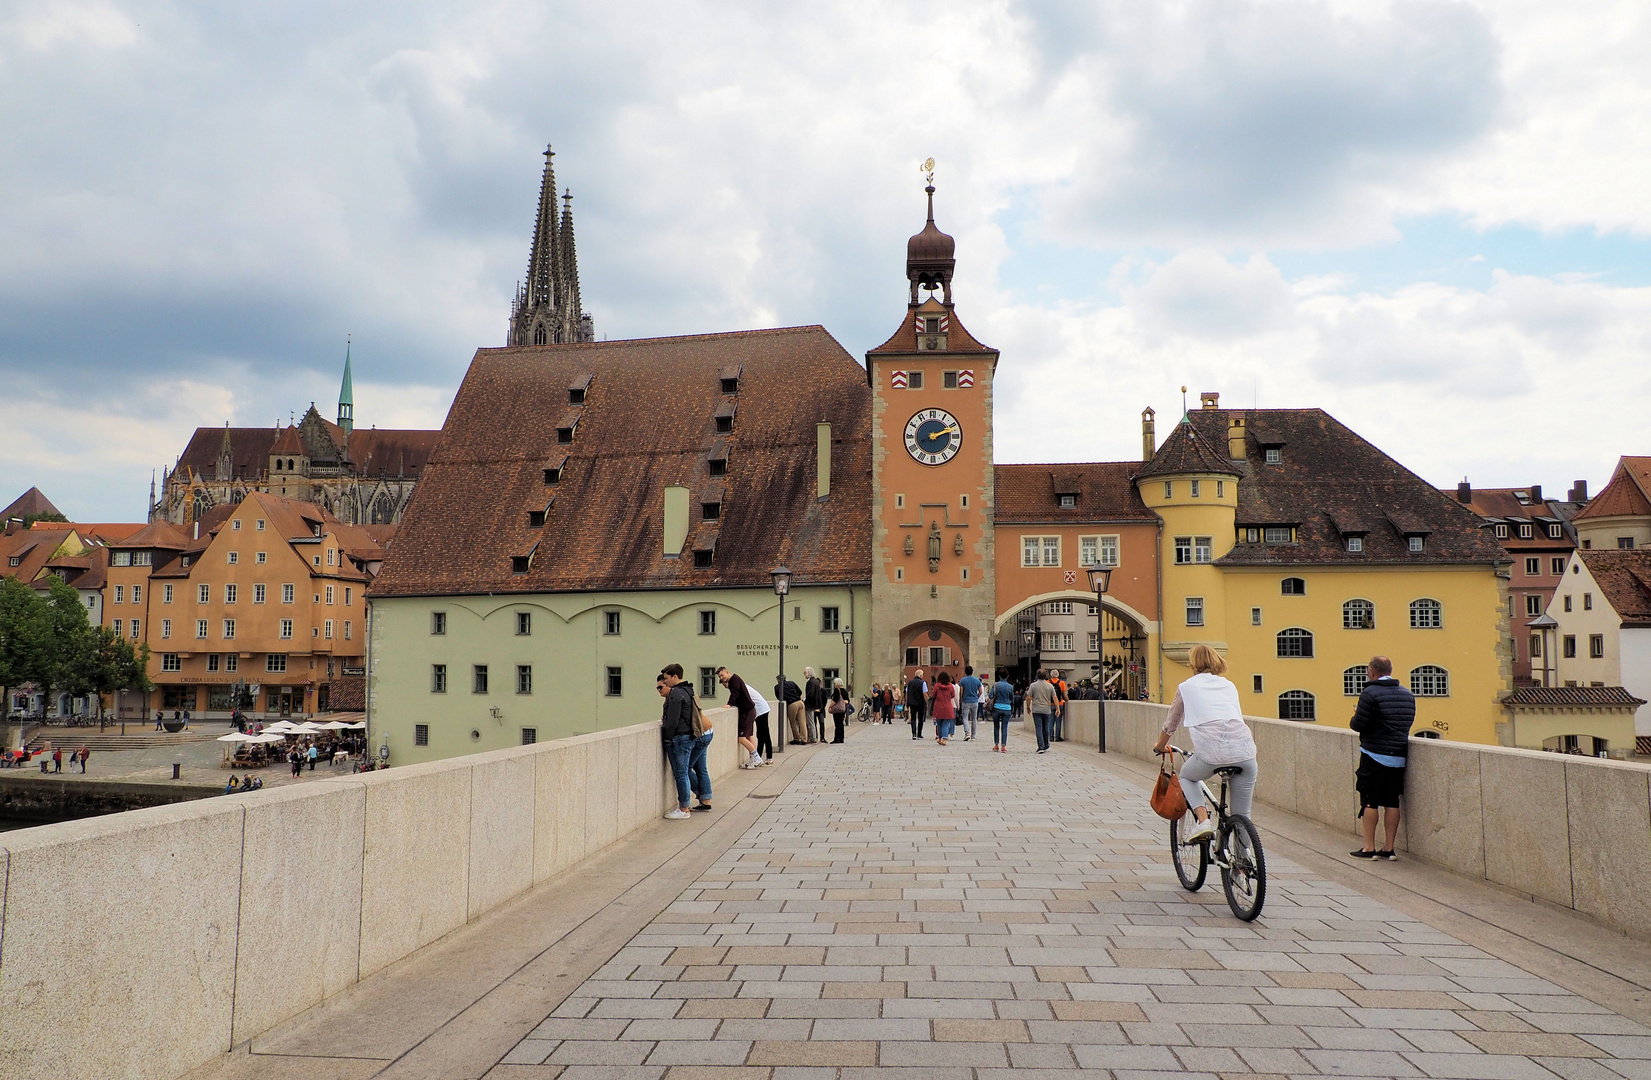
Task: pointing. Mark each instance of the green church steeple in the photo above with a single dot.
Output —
(346, 395)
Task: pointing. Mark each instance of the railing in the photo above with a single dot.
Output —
(1572, 831)
(201, 925)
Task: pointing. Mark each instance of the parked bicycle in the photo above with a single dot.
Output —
(865, 712)
(1235, 848)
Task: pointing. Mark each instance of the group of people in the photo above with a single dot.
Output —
(953, 705)
(251, 783)
(14, 759)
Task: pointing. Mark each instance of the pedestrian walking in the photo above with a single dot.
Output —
(917, 703)
(1040, 702)
(886, 703)
(968, 689)
(945, 708)
(314, 753)
(1207, 704)
(676, 732)
(1057, 725)
(814, 701)
(745, 701)
(838, 706)
(159, 716)
(1003, 703)
(1383, 718)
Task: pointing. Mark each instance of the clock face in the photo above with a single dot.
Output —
(933, 436)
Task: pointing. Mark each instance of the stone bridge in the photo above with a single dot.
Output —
(884, 907)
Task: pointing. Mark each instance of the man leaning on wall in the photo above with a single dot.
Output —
(1383, 718)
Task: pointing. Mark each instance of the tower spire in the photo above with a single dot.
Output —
(547, 310)
(346, 394)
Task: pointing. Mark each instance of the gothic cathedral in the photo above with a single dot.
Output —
(546, 310)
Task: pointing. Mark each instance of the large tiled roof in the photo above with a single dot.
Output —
(1562, 696)
(32, 503)
(1513, 507)
(648, 422)
(1190, 449)
(33, 548)
(390, 451)
(1332, 482)
(1624, 576)
(1031, 493)
(1628, 493)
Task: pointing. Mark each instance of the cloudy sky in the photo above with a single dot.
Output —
(1429, 218)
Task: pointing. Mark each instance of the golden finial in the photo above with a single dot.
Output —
(927, 169)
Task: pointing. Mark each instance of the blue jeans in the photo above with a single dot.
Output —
(1000, 727)
(1042, 721)
(1057, 726)
(969, 717)
(679, 749)
(943, 728)
(696, 766)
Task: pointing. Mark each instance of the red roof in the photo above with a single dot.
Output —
(1627, 495)
(1031, 493)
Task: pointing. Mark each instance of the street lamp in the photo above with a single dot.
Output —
(1099, 578)
(848, 658)
(782, 588)
(1028, 639)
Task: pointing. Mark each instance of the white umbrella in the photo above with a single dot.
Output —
(360, 725)
(269, 738)
(335, 725)
(235, 736)
(279, 726)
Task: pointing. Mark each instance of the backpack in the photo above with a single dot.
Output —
(701, 722)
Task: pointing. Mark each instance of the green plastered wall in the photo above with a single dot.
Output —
(570, 652)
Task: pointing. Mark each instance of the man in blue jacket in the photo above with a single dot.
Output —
(1383, 718)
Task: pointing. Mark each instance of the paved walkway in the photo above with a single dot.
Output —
(915, 911)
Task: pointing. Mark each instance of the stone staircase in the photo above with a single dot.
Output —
(101, 742)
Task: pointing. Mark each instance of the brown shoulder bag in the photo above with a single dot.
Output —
(1168, 800)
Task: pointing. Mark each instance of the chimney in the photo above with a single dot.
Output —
(1536, 494)
(822, 457)
(1464, 491)
(1148, 440)
(1237, 449)
(1210, 399)
(1579, 491)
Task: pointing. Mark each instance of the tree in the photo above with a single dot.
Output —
(24, 636)
(64, 663)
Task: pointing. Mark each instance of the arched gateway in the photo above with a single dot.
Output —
(1058, 629)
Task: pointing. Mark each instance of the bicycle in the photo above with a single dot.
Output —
(865, 713)
(1236, 851)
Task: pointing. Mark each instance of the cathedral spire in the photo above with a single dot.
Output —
(346, 395)
(546, 310)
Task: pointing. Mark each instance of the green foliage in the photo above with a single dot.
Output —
(48, 641)
(24, 635)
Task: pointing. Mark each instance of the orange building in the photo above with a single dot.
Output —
(268, 592)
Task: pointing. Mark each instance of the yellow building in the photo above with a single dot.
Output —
(1299, 551)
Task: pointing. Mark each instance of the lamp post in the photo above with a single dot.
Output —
(848, 658)
(782, 588)
(1099, 578)
(1029, 640)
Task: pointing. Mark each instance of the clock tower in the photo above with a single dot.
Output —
(933, 601)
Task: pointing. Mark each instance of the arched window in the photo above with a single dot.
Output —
(1295, 642)
(1358, 615)
(539, 335)
(1426, 614)
(278, 464)
(289, 463)
(1354, 679)
(1296, 705)
(1293, 586)
(1430, 680)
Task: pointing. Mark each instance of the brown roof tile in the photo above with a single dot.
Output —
(1628, 493)
(1586, 696)
(1624, 576)
(31, 503)
(958, 338)
(1328, 473)
(1190, 450)
(648, 422)
(1030, 493)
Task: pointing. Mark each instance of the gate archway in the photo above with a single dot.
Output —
(1055, 630)
(934, 645)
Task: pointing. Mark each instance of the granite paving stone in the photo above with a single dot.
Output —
(904, 910)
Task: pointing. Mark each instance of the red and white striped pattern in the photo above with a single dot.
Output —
(965, 378)
(898, 381)
(921, 323)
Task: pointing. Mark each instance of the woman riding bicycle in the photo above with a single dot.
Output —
(1207, 705)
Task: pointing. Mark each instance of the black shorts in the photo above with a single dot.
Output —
(1378, 784)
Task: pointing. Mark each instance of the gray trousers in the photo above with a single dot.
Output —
(1240, 787)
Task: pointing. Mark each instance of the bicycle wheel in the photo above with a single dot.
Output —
(1184, 859)
(1244, 877)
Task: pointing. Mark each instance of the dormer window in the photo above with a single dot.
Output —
(1416, 543)
(1355, 544)
(702, 558)
(731, 386)
(710, 511)
(518, 564)
(719, 466)
(725, 424)
(1524, 532)
(553, 476)
(1555, 532)
(1274, 455)
(576, 396)
(535, 519)
(1501, 531)
(565, 434)
(1068, 502)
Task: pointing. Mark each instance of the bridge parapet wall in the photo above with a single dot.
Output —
(143, 944)
(1571, 831)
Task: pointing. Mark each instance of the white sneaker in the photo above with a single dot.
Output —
(1199, 830)
(677, 815)
(755, 762)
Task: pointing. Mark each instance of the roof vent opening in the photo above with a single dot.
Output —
(702, 558)
(519, 564)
